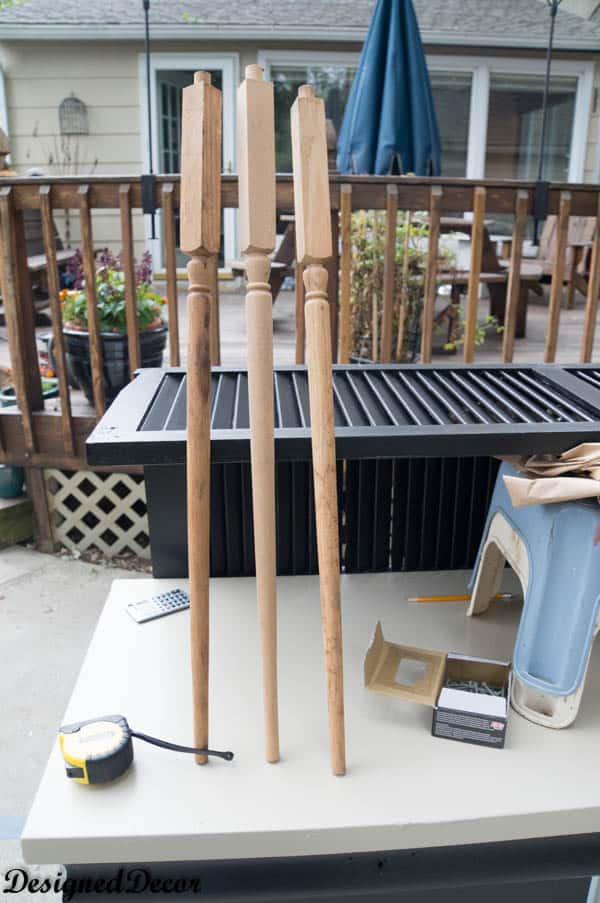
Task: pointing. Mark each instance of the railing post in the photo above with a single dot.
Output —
(89, 270)
(127, 257)
(556, 288)
(389, 273)
(19, 314)
(513, 289)
(431, 274)
(479, 194)
(345, 272)
(171, 266)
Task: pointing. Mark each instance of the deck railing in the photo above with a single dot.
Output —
(36, 437)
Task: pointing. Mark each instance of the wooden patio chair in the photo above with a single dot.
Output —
(579, 242)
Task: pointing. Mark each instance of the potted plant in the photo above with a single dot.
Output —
(8, 395)
(410, 259)
(110, 295)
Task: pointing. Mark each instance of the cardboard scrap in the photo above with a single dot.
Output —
(571, 476)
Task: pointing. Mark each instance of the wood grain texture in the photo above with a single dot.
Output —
(89, 274)
(168, 205)
(514, 276)
(256, 163)
(593, 290)
(128, 261)
(200, 231)
(346, 273)
(200, 209)
(313, 238)
(256, 143)
(57, 323)
(431, 274)
(198, 489)
(556, 287)
(319, 364)
(389, 274)
(311, 178)
(479, 200)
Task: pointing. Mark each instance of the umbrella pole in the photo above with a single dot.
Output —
(200, 238)
(553, 6)
(313, 248)
(257, 201)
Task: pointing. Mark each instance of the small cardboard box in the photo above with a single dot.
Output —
(419, 675)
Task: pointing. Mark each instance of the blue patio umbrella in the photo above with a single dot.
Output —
(390, 123)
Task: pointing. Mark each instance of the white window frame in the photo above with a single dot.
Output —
(229, 64)
(481, 69)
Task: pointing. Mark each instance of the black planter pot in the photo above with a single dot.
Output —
(115, 358)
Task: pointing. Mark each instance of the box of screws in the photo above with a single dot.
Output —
(473, 702)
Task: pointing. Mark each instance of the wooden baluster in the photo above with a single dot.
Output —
(127, 259)
(17, 336)
(403, 288)
(200, 238)
(299, 304)
(431, 274)
(256, 167)
(593, 289)
(346, 272)
(389, 273)
(215, 335)
(375, 293)
(89, 275)
(474, 274)
(313, 244)
(556, 288)
(49, 239)
(168, 205)
(513, 289)
(333, 281)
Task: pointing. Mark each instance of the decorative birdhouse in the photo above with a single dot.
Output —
(73, 117)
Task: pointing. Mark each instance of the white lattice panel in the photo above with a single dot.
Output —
(105, 511)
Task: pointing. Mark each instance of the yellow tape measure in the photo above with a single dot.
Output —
(101, 749)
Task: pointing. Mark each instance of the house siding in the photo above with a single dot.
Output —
(105, 76)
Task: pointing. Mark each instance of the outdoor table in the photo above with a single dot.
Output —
(414, 813)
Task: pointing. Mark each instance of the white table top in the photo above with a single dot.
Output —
(404, 788)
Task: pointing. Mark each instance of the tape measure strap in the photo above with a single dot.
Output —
(97, 750)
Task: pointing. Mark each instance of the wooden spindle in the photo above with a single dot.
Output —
(513, 289)
(435, 205)
(58, 350)
(593, 289)
(346, 272)
(474, 274)
(168, 206)
(89, 275)
(389, 272)
(313, 248)
(558, 271)
(200, 238)
(128, 261)
(403, 288)
(256, 166)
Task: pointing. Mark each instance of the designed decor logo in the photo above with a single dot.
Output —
(134, 880)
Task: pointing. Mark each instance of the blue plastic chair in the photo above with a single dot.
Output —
(553, 550)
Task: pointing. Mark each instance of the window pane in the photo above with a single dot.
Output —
(452, 99)
(332, 83)
(515, 125)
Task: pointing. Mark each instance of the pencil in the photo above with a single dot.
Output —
(502, 596)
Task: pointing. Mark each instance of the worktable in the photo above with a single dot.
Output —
(405, 791)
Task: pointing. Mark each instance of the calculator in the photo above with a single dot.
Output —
(157, 606)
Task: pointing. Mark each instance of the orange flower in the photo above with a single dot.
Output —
(62, 295)
(164, 301)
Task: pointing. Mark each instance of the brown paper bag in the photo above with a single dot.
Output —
(575, 474)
